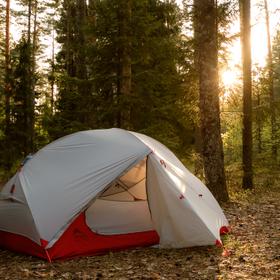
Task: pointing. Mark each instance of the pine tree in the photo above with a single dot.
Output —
(20, 106)
(74, 104)
(20, 135)
(130, 61)
(155, 81)
(205, 17)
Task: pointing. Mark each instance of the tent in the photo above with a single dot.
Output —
(99, 190)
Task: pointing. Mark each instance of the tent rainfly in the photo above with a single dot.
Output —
(100, 190)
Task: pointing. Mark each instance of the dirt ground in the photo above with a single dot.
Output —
(252, 252)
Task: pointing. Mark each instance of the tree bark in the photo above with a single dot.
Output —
(30, 100)
(91, 13)
(198, 164)
(91, 41)
(270, 84)
(7, 69)
(33, 51)
(245, 18)
(68, 38)
(205, 28)
(125, 63)
(52, 80)
(8, 86)
(81, 67)
(29, 21)
(34, 39)
(259, 125)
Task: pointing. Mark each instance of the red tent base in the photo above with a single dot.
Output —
(78, 240)
(21, 244)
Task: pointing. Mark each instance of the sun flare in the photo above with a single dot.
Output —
(229, 78)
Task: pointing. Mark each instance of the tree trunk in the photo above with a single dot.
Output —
(68, 38)
(52, 80)
(7, 69)
(92, 16)
(8, 86)
(33, 51)
(81, 68)
(34, 41)
(125, 63)
(198, 164)
(205, 25)
(91, 41)
(29, 95)
(259, 125)
(245, 18)
(29, 21)
(271, 85)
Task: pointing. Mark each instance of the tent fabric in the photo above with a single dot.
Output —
(75, 169)
(176, 212)
(195, 198)
(130, 186)
(78, 240)
(15, 214)
(112, 217)
(21, 244)
(112, 185)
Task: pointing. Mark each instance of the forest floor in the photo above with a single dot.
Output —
(253, 252)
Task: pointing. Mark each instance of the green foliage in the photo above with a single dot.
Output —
(263, 160)
(89, 94)
(18, 138)
(163, 102)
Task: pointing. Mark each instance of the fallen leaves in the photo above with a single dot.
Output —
(250, 252)
(226, 253)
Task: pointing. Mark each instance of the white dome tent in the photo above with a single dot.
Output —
(100, 190)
